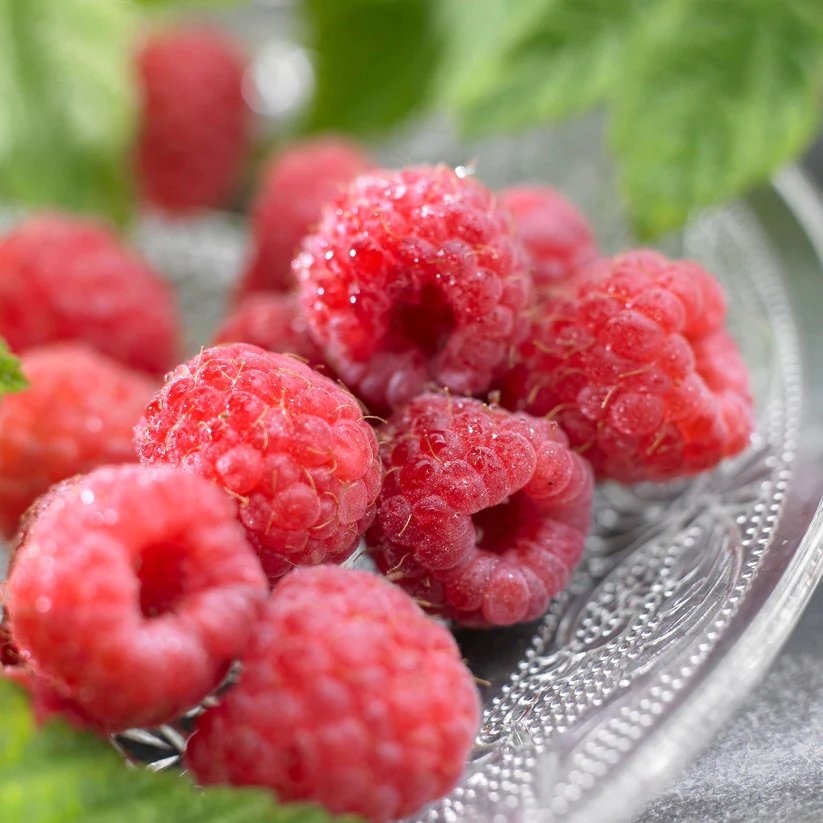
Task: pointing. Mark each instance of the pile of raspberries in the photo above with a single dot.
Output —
(411, 363)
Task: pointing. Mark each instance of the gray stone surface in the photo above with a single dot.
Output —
(766, 765)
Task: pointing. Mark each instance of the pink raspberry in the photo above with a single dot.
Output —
(349, 696)
(718, 361)
(195, 127)
(296, 185)
(288, 444)
(47, 702)
(414, 276)
(9, 653)
(638, 370)
(483, 512)
(79, 412)
(132, 591)
(556, 235)
(273, 321)
(67, 278)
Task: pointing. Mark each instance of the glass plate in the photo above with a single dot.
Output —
(686, 590)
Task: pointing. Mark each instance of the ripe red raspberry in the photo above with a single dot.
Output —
(556, 235)
(296, 185)
(78, 412)
(349, 696)
(273, 321)
(414, 276)
(9, 654)
(195, 126)
(132, 591)
(288, 444)
(47, 702)
(66, 278)
(718, 361)
(483, 512)
(638, 371)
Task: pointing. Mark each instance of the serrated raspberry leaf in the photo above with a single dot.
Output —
(12, 378)
(57, 774)
(542, 60)
(713, 101)
(69, 104)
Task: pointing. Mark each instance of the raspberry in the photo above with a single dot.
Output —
(9, 653)
(638, 371)
(65, 278)
(556, 235)
(272, 321)
(483, 512)
(132, 591)
(295, 187)
(47, 702)
(288, 444)
(414, 276)
(78, 413)
(719, 363)
(195, 127)
(349, 696)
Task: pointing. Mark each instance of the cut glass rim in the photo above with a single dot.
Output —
(741, 658)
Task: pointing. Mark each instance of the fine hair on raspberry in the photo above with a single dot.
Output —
(290, 446)
(273, 321)
(637, 368)
(296, 184)
(556, 235)
(483, 512)
(348, 696)
(411, 277)
(131, 592)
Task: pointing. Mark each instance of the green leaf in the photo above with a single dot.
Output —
(474, 41)
(68, 103)
(716, 97)
(374, 61)
(187, 5)
(538, 60)
(56, 774)
(12, 378)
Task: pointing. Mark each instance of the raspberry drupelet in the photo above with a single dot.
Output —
(289, 445)
(296, 186)
(349, 696)
(195, 126)
(555, 234)
(273, 321)
(78, 412)
(638, 370)
(483, 512)
(86, 285)
(131, 591)
(411, 277)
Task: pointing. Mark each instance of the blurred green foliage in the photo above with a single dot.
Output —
(67, 103)
(374, 61)
(12, 378)
(704, 98)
